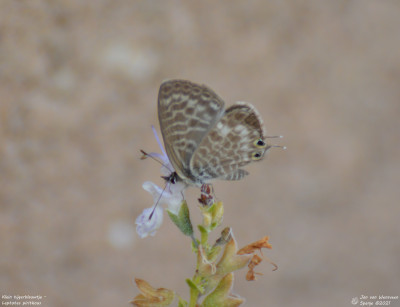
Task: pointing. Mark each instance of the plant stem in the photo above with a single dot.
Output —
(194, 295)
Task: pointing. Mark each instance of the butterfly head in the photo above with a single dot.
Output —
(172, 178)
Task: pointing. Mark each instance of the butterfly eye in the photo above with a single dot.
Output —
(259, 143)
(256, 155)
(173, 178)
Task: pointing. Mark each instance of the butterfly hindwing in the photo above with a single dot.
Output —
(236, 140)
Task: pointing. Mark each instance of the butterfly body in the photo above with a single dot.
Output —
(204, 141)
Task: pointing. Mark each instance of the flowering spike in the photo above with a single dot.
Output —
(213, 278)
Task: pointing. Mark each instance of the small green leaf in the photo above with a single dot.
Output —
(182, 302)
(173, 217)
(217, 214)
(204, 234)
(214, 225)
(194, 286)
(211, 208)
(182, 220)
(185, 218)
(202, 229)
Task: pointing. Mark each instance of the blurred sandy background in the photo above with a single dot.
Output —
(78, 89)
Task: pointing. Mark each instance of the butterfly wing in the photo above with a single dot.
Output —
(235, 141)
(186, 112)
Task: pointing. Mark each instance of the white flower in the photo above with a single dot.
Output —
(145, 225)
(172, 196)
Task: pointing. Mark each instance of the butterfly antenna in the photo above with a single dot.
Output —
(278, 146)
(276, 137)
(146, 155)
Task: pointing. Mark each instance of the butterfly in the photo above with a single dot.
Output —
(203, 140)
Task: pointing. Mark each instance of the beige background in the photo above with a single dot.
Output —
(78, 88)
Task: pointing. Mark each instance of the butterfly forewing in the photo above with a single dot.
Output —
(187, 112)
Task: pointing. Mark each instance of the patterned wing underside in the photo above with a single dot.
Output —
(229, 145)
(186, 112)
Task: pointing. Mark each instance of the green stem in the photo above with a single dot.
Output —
(194, 295)
(204, 237)
(194, 241)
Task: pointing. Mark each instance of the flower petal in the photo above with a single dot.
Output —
(146, 226)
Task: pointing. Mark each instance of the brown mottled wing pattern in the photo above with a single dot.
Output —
(236, 140)
(186, 111)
